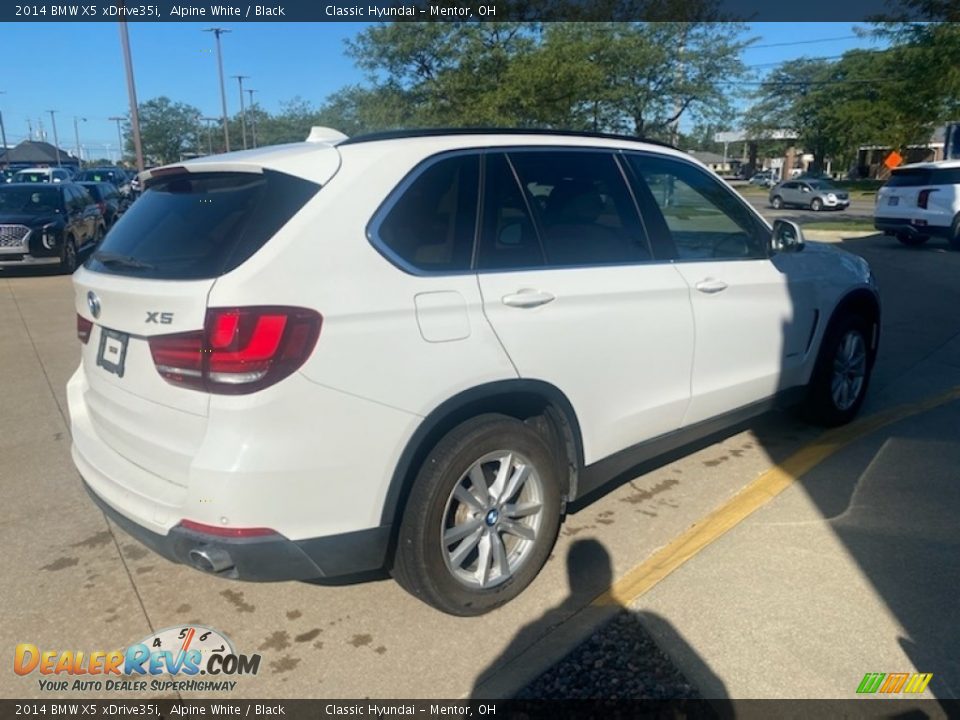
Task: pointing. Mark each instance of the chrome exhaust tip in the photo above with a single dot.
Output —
(211, 559)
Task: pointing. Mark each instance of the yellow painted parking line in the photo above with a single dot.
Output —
(753, 497)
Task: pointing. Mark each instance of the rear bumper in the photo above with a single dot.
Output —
(314, 478)
(26, 260)
(909, 227)
(265, 558)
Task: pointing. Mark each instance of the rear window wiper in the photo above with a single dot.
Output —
(129, 261)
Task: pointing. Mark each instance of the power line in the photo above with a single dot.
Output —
(802, 42)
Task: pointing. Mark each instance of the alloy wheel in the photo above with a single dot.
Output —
(492, 519)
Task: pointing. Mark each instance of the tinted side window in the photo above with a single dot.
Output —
(946, 176)
(432, 224)
(789, 186)
(70, 199)
(509, 237)
(585, 212)
(703, 217)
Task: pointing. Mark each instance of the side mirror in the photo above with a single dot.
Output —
(787, 236)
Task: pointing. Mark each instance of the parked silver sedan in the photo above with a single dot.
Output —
(814, 194)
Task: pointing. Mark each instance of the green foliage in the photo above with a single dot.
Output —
(892, 97)
(620, 77)
(167, 130)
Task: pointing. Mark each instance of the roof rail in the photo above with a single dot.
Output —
(432, 132)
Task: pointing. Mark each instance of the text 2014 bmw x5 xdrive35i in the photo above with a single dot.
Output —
(410, 351)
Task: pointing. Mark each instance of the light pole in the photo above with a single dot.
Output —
(132, 94)
(3, 134)
(76, 137)
(243, 110)
(118, 120)
(253, 118)
(217, 32)
(56, 140)
(210, 120)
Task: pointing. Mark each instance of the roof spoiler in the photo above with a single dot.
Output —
(320, 134)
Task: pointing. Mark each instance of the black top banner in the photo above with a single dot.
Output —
(203, 11)
(721, 709)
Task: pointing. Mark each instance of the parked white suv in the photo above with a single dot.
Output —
(409, 351)
(41, 175)
(921, 201)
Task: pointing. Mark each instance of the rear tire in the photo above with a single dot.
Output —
(954, 238)
(472, 538)
(842, 373)
(913, 240)
(776, 202)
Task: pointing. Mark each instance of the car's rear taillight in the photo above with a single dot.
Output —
(924, 197)
(240, 350)
(84, 328)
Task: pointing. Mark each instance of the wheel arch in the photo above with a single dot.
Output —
(864, 302)
(534, 401)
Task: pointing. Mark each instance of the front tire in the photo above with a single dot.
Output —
(816, 204)
(68, 257)
(482, 517)
(842, 373)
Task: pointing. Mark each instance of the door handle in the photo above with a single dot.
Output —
(528, 298)
(711, 286)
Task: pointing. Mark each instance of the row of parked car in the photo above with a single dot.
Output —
(49, 216)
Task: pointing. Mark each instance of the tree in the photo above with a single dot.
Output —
(168, 130)
(291, 124)
(795, 96)
(634, 77)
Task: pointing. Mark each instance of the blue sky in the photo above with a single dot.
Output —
(77, 69)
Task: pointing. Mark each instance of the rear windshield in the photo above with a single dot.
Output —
(111, 176)
(193, 226)
(915, 177)
(29, 200)
(32, 177)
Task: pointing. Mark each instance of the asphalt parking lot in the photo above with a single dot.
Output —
(843, 566)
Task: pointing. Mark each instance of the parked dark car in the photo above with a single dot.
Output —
(117, 176)
(47, 224)
(111, 203)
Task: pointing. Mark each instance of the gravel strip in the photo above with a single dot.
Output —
(618, 662)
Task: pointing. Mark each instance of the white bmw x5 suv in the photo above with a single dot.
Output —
(409, 351)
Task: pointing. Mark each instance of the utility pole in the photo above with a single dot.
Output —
(3, 135)
(243, 110)
(30, 129)
(209, 121)
(217, 32)
(118, 120)
(76, 137)
(253, 118)
(56, 140)
(132, 95)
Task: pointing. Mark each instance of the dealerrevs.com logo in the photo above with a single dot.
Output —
(177, 652)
